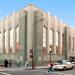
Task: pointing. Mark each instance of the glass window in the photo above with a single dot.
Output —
(44, 37)
(73, 43)
(5, 34)
(57, 37)
(69, 42)
(0, 41)
(50, 37)
(17, 38)
(17, 34)
(11, 39)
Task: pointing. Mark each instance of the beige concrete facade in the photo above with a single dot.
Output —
(33, 29)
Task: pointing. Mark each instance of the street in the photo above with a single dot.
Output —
(35, 72)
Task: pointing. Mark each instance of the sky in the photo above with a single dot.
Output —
(63, 9)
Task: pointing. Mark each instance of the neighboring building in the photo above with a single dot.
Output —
(32, 29)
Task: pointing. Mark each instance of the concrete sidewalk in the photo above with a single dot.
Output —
(38, 67)
(10, 69)
(21, 68)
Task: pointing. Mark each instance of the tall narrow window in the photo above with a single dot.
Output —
(69, 42)
(44, 37)
(0, 42)
(57, 37)
(6, 49)
(51, 40)
(73, 43)
(17, 38)
(63, 42)
(50, 37)
(44, 41)
(57, 42)
(11, 39)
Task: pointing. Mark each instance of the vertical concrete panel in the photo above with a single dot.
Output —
(74, 40)
(60, 37)
(23, 34)
(71, 41)
(38, 35)
(2, 36)
(48, 34)
(8, 35)
(30, 22)
(14, 32)
(66, 43)
(54, 36)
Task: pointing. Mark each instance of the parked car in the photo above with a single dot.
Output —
(63, 65)
(73, 63)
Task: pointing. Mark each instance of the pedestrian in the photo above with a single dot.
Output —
(18, 63)
(50, 65)
(10, 62)
(26, 63)
(6, 63)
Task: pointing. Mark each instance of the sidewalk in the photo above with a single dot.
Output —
(21, 68)
(38, 67)
(10, 69)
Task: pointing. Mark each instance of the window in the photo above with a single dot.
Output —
(44, 40)
(73, 43)
(50, 37)
(0, 42)
(6, 40)
(17, 38)
(11, 39)
(69, 42)
(44, 37)
(57, 38)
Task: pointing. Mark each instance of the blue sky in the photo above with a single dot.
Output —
(63, 9)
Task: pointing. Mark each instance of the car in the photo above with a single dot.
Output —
(73, 63)
(63, 65)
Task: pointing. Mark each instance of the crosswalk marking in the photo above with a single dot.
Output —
(62, 73)
(50, 72)
(38, 71)
(4, 73)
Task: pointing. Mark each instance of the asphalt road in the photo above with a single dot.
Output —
(37, 72)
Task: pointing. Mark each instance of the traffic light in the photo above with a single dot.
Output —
(31, 53)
